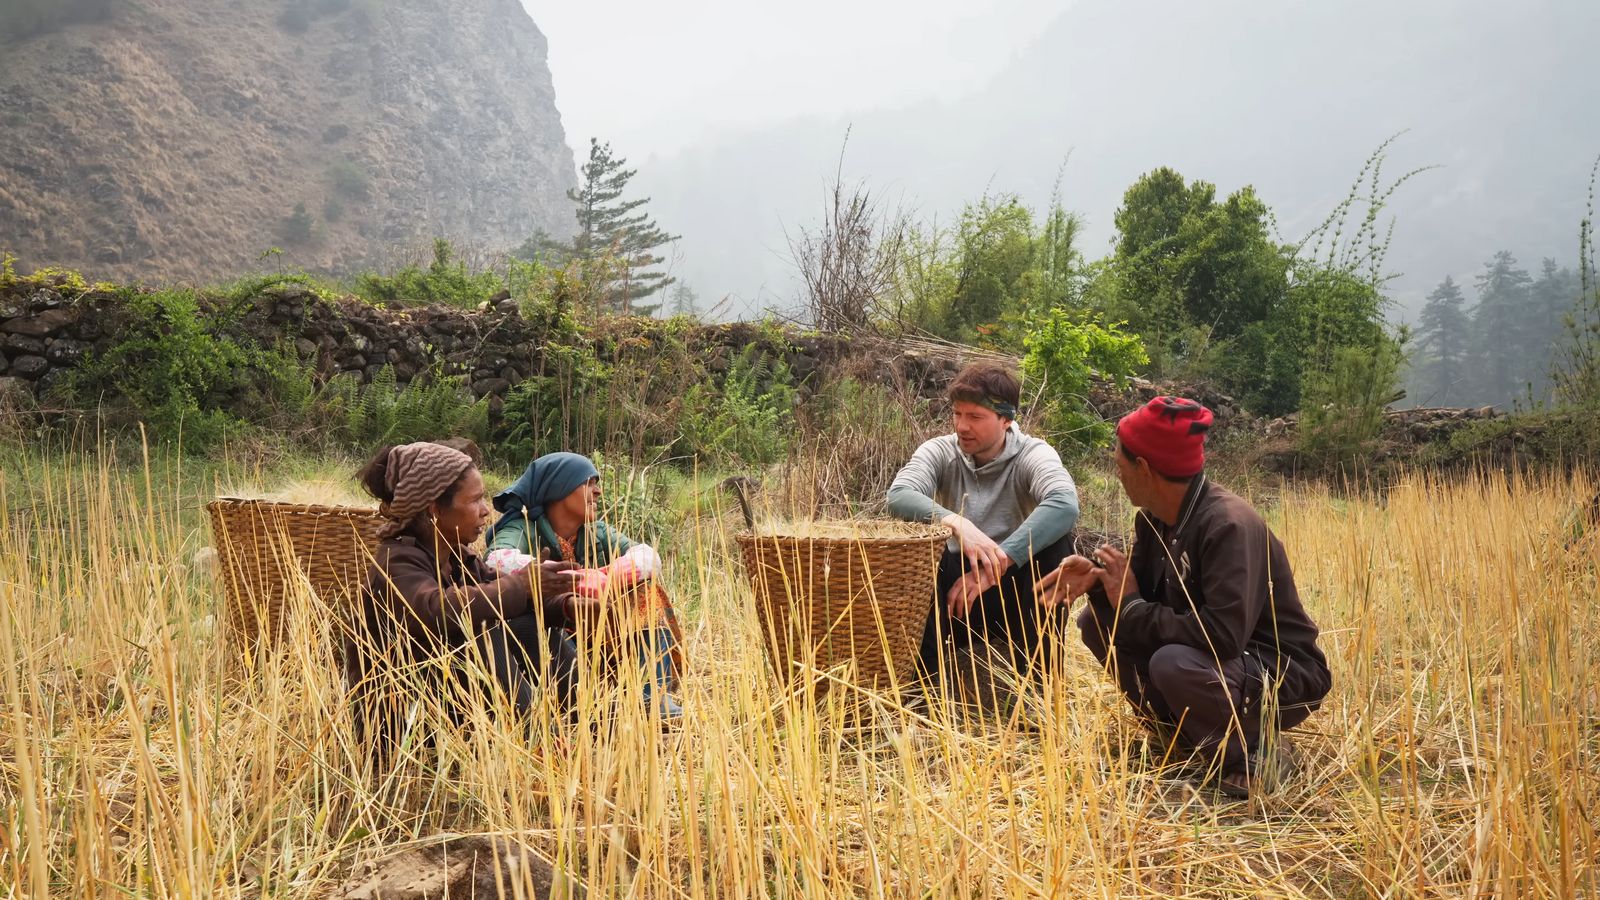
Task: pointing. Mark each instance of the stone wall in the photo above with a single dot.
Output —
(47, 328)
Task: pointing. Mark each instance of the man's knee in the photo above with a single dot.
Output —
(1179, 672)
(1094, 634)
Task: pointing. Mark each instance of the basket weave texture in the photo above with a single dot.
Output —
(262, 544)
(828, 601)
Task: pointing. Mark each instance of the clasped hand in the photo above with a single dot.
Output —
(1077, 575)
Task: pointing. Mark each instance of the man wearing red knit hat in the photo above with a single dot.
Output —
(1201, 624)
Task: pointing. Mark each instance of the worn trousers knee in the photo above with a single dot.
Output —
(1208, 701)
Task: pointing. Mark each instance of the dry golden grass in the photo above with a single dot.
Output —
(1458, 755)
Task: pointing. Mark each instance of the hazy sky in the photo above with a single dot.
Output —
(653, 77)
(734, 113)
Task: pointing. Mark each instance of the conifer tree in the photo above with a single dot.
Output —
(1443, 334)
(684, 301)
(1500, 329)
(615, 238)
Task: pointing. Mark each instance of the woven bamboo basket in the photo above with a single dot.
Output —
(830, 600)
(265, 545)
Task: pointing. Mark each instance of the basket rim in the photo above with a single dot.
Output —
(916, 534)
(287, 506)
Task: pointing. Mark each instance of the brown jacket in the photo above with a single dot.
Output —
(1219, 581)
(431, 599)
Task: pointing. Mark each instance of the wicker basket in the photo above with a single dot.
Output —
(262, 544)
(828, 601)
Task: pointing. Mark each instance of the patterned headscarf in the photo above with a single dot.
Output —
(417, 475)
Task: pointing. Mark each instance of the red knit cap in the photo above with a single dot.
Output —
(1169, 432)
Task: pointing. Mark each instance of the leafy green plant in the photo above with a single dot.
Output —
(171, 368)
(1062, 356)
(1343, 413)
(447, 281)
(558, 408)
(749, 420)
(430, 406)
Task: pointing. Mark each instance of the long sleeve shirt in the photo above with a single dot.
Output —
(1023, 499)
(426, 603)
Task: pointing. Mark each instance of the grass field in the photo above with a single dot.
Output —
(1459, 753)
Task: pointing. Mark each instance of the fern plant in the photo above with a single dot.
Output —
(430, 407)
(749, 420)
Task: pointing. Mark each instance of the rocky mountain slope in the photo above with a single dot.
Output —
(181, 139)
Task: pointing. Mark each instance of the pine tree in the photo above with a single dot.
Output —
(685, 302)
(1499, 324)
(615, 238)
(1443, 333)
(1552, 298)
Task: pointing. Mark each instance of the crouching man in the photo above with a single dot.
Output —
(1201, 625)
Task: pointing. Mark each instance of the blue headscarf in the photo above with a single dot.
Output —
(546, 480)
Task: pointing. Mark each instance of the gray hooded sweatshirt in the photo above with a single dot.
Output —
(1023, 499)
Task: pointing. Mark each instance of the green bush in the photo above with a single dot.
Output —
(296, 18)
(1342, 416)
(544, 412)
(298, 227)
(171, 369)
(350, 180)
(25, 18)
(446, 281)
(1062, 356)
(430, 407)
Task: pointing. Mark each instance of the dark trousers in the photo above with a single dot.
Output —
(1215, 707)
(1005, 618)
(523, 653)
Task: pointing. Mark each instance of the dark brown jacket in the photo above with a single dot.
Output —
(423, 601)
(1219, 581)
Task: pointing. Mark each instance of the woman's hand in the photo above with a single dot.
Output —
(1067, 582)
(556, 578)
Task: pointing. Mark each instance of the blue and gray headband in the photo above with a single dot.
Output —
(1001, 407)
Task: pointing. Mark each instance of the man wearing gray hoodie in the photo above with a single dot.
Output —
(1011, 506)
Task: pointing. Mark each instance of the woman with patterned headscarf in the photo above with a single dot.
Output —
(552, 512)
(428, 596)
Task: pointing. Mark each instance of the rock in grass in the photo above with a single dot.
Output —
(476, 866)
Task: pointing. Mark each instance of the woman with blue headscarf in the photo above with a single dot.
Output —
(552, 513)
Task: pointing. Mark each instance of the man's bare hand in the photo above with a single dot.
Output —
(1067, 582)
(981, 551)
(966, 592)
(1114, 575)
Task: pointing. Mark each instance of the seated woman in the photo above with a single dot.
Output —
(552, 512)
(428, 596)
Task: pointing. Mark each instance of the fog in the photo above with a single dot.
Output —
(734, 115)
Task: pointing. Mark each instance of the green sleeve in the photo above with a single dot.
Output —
(609, 543)
(514, 536)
